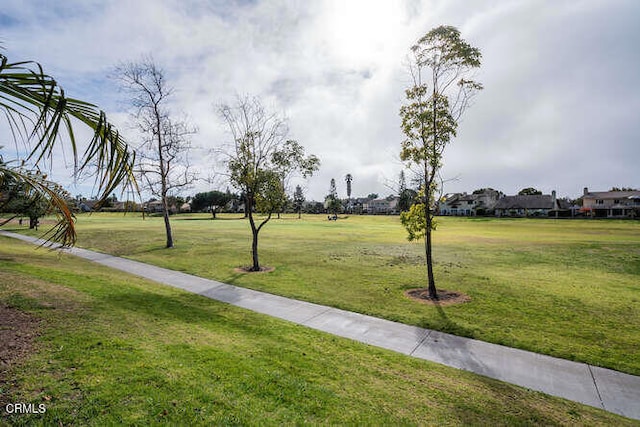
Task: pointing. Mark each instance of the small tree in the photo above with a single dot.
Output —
(163, 156)
(298, 200)
(438, 96)
(260, 157)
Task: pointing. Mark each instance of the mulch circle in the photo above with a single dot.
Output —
(444, 297)
(249, 270)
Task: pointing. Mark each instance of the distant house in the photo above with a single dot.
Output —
(611, 204)
(155, 206)
(457, 204)
(86, 205)
(463, 204)
(540, 205)
(357, 205)
(381, 206)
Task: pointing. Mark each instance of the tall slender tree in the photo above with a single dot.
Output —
(332, 201)
(348, 179)
(440, 65)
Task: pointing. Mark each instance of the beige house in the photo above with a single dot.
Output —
(463, 204)
(381, 206)
(611, 204)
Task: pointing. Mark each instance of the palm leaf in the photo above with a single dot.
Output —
(34, 100)
(36, 187)
(38, 112)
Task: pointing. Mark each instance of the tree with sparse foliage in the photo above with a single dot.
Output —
(39, 113)
(439, 66)
(260, 155)
(163, 162)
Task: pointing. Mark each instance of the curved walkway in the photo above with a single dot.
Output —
(603, 388)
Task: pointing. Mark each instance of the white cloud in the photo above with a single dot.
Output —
(559, 100)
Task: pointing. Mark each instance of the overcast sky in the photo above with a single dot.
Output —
(560, 109)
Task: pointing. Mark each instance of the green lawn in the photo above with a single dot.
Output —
(566, 288)
(114, 349)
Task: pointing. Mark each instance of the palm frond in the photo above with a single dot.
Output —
(33, 100)
(35, 187)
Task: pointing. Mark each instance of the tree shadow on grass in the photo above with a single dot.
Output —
(447, 325)
(233, 279)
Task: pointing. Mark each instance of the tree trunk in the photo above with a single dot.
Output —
(254, 244)
(254, 251)
(33, 222)
(433, 292)
(167, 224)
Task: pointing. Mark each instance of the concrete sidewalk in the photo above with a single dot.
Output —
(603, 388)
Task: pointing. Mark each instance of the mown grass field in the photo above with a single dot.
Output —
(114, 349)
(569, 289)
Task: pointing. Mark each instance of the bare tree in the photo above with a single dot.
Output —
(163, 162)
(259, 160)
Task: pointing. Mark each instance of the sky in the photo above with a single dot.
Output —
(560, 109)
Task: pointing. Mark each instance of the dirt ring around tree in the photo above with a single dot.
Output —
(444, 297)
(264, 269)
